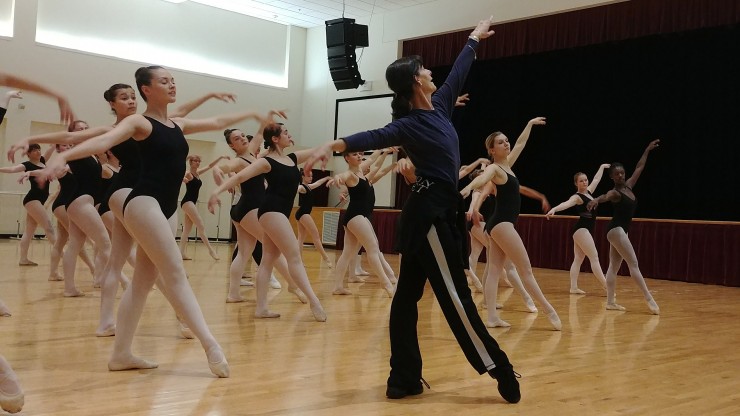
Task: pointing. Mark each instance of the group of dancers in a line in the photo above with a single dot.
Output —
(152, 151)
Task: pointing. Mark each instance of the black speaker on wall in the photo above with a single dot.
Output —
(343, 36)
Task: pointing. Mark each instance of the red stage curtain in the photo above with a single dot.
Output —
(609, 23)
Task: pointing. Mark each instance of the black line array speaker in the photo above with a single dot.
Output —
(343, 36)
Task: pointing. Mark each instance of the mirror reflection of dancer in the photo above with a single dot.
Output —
(624, 202)
(11, 393)
(505, 241)
(430, 241)
(583, 240)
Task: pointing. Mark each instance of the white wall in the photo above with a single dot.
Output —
(386, 32)
(83, 77)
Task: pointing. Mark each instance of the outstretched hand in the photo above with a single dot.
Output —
(462, 100)
(21, 145)
(655, 143)
(592, 205)
(483, 30)
(319, 155)
(213, 201)
(13, 94)
(225, 96)
(67, 115)
(538, 121)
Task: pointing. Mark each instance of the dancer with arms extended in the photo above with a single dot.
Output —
(430, 242)
(147, 208)
(620, 247)
(583, 240)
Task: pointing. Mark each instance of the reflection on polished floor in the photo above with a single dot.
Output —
(683, 362)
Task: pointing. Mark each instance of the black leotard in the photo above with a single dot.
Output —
(87, 172)
(192, 189)
(253, 194)
(508, 203)
(105, 192)
(586, 218)
(128, 155)
(305, 202)
(623, 212)
(163, 156)
(370, 201)
(358, 200)
(36, 193)
(67, 189)
(282, 185)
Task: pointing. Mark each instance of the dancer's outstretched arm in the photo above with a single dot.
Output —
(597, 178)
(539, 196)
(258, 167)
(570, 202)
(188, 107)
(12, 81)
(523, 138)
(465, 170)
(641, 163)
(59, 137)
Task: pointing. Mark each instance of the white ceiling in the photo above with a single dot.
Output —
(310, 13)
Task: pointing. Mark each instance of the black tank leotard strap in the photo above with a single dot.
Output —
(163, 156)
(282, 185)
(508, 203)
(586, 218)
(624, 210)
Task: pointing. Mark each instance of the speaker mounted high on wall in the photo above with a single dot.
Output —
(343, 36)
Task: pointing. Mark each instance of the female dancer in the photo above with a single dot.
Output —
(249, 231)
(11, 393)
(358, 229)
(583, 241)
(624, 202)
(428, 231)
(505, 240)
(146, 211)
(304, 222)
(189, 210)
(282, 176)
(33, 202)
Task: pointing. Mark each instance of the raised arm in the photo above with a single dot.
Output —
(5, 99)
(376, 175)
(477, 198)
(467, 169)
(570, 202)
(255, 168)
(641, 163)
(611, 196)
(12, 81)
(59, 137)
(488, 174)
(13, 169)
(318, 183)
(186, 108)
(190, 126)
(211, 165)
(523, 138)
(597, 177)
(539, 196)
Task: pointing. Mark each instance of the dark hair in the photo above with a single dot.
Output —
(110, 93)
(614, 166)
(227, 134)
(474, 174)
(143, 76)
(272, 130)
(34, 146)
(74, 124)
(575, 177)
(400, 77)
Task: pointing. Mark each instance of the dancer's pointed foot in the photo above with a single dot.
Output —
(298, 293)
(274, 283)
(576, 291)
(266, 314)
(130, 363)
(11, 393)
(615, 307)
(529, 303)
(654, 309)
(56, 277)
(360, 272)
(355, 279)
(328, 262)
(318, 313)
(76, 293)
(341, 291)
(245, 282)
(389, 289)
(27, 263)
(555, 321)
(106, 331)
(497, 323)
(213, 254)
(217, 362)
(185, 331)
(232, 299)
(505, 282)
(4, 310)
(499, 305)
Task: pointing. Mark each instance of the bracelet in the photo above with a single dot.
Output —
(475, 38)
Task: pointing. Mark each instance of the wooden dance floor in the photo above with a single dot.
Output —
(683, 362)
